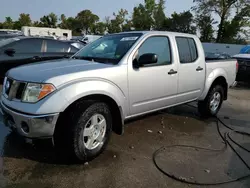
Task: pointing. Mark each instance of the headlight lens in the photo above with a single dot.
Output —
(34, 92)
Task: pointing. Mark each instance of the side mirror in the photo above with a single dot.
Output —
(9, 52)
(145, 59)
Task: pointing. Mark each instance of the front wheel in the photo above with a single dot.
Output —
(212, 103)
(87, 130)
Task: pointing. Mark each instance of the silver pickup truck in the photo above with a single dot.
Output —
(79, 101)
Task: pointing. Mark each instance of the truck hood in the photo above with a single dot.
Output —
(64, 70)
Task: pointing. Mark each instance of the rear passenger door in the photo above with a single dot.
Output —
(56, 49)
(191, 69)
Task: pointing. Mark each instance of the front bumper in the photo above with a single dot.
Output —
(30, 126)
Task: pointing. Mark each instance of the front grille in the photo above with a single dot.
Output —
(13, 89)
(20, 90)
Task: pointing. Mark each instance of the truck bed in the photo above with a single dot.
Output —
(228, 65)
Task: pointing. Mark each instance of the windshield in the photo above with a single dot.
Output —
(108, 49)
(7, 41)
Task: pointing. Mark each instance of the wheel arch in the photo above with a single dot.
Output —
(222, 82)
(116, 110)
(218, 76)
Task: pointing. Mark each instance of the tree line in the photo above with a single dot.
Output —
(230, 26)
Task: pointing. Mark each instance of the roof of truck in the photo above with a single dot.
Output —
(158, 32)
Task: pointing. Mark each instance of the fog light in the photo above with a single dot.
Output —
(25, 128)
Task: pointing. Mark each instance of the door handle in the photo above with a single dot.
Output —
(172, 71)
(199, 69)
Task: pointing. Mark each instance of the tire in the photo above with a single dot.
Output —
(78, 120)
(205, 108)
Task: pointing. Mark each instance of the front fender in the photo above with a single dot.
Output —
(66, 95)
(219, 72)
(69, 93)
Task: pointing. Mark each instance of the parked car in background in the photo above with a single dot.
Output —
(245, 50)
(86, 39)
(243, 74)
(79, 101)
(23, 50)
(79, 45)
(217, 55)
(7, 35)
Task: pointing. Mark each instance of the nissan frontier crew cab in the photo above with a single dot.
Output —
(79, 101)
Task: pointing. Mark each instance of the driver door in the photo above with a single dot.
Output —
(153, 86)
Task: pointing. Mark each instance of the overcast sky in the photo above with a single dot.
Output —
(38, 8)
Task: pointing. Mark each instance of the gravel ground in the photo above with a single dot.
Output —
(127, 162)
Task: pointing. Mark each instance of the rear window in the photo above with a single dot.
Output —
(27, 46)
(54, 46)
(5, 41)
(187, 49)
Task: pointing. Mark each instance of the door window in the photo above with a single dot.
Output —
(54, 46)
(187, 49)
(27, 46)
(158, 45)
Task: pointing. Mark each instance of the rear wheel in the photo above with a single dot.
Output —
(87, 130)
(212, 103)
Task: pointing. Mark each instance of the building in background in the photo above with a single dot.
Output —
(57, 33)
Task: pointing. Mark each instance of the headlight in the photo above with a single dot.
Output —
(34, 92)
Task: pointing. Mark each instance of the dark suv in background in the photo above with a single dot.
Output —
(23, 50)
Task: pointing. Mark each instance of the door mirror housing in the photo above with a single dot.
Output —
(10, 51)
(145, 59)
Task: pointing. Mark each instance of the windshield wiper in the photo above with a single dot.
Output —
(84, 58)
(96, 59)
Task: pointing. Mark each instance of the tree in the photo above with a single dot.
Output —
(49, 21)
(63, 24)
(23, 20)
(72, 24)
(98, 28)
(234, 31)
(128, 25)
(37, 24)
(8, 23)
(119, 23)
(222, 8)
(85, 20)
(142, 17)
(62, 17)
(182, 22)
(69, 23)
(159, 15)
(205, 26)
